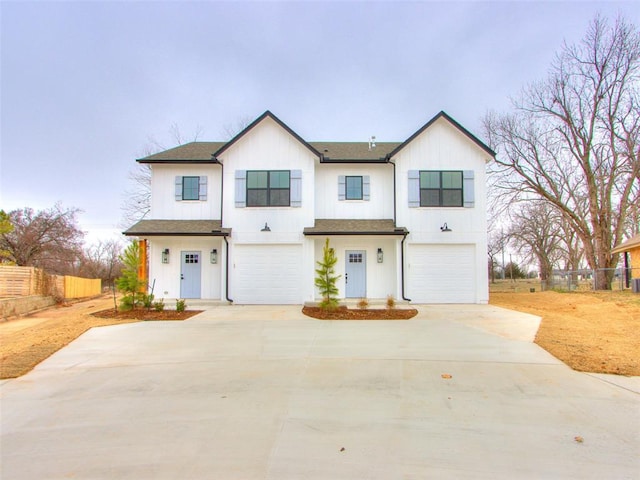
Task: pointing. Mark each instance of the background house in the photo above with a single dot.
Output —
(631, 251)
(246, 220)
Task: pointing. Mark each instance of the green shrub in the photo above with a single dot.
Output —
(147, 300)
(181, 305)
(159, 305)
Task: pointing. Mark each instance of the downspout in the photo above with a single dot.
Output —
(394, 190)
(224, 237)
(402, 267)
(404, 237)
(218, 162)
(226, 283)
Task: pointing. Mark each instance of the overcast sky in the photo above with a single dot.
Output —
(84, 85)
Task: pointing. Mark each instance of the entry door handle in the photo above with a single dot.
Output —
(346, 278)
(181, 276)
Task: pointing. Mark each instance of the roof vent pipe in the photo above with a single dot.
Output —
(372, 142)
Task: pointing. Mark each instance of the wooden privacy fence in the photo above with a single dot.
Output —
(25, 281)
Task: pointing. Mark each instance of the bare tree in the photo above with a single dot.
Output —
(573, 139)
(137, 199)
(49, 239)
(536, 234)
(230, 130)
(102, 260)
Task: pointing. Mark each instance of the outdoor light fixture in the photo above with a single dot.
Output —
(266, 228)
(214, 256)
(380, 255)
(165, 255)
(445, 228)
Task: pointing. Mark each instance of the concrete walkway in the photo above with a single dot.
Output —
(266, 393)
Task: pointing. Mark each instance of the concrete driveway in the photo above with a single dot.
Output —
(267, 393)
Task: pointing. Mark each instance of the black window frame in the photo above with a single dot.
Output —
(185, 190)
(250, 202)
(346, 187)
(441, 190)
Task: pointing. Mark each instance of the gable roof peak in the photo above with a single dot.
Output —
(258, 120)
(454, 123)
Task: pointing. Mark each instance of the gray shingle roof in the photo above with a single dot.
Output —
(202, 151)
(194, 151)
(354, 150)
(178, 227)
(326, 226)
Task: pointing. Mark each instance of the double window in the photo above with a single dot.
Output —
(268, 188)
(441, 188)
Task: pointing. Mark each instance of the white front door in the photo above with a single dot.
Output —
(355, 274)
(190, 274)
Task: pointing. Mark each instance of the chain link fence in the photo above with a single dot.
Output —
(584, 280)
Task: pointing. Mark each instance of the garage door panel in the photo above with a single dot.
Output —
(268, 274)
(442, 273)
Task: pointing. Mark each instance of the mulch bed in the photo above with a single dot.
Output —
(144, 314)
(344, 313)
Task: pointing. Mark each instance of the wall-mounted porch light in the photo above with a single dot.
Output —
(445, 228)
(380, 255)
(266, 228)
(214, 256)
(165, 255)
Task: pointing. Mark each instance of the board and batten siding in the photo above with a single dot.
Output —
(165, 205)
(330, 204)
(269, 147)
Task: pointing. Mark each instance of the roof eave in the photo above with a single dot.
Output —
(343, 232)
(176, 234)
(354, 160)
(182, 161)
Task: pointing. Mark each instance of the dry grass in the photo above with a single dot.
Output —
(589, 331)
(594, 332)
(26, 341)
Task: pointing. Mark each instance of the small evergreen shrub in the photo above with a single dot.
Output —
(326, 278)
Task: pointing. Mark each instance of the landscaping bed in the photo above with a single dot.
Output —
(145, 314)
(344, 313)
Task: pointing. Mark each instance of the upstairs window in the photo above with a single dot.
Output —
(353, 190)
(268, 188)
(191, 188)
(441, 189)
(354, 187)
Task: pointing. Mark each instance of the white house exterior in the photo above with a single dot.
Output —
(246, 220)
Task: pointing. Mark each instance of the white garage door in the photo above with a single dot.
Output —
(267, 274)
(442, 273)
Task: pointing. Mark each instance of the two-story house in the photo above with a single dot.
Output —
(246, 220)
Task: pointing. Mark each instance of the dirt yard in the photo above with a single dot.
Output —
(593, 332)
(589, 331)
(26, 341)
